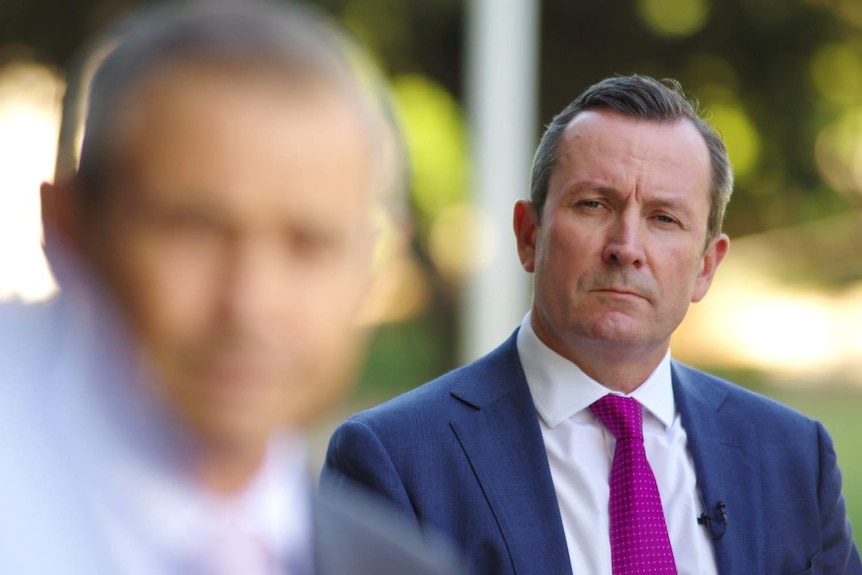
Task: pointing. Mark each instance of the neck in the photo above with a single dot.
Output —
(617, 371)
(228, 469)
(619, 367)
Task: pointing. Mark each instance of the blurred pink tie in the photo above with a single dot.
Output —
(639, 541)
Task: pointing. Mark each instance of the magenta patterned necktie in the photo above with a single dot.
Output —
(639, 540)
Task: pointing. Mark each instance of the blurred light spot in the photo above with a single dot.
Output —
(435, 134)
(29, 122)
(836, 71)
(850, 11)
(769, 324)
(740, 136)
(751, 320)
(461, 240)
(674, 17)
(838, 152)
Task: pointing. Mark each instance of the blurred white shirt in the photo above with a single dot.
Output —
(580, 451)
(94, 476)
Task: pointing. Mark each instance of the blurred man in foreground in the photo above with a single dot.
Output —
(578, 445)
(214, 249)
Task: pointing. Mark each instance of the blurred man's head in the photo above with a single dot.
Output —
(229, 172)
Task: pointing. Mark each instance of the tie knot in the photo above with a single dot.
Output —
(621, 415)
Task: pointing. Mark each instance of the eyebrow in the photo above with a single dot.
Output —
(671, 204)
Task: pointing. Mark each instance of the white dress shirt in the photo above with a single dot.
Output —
(120, 462)
(580, 451)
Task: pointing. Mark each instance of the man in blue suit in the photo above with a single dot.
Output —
(508, 455)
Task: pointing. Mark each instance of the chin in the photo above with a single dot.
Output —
(617, 330)
(232, 431)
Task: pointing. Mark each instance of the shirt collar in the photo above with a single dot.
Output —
(176, 516)
(560, 389)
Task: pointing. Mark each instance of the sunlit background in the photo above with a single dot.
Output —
(781, 80)
(29, 121)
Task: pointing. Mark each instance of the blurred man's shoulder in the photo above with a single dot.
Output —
(356, 533)
(26, 331)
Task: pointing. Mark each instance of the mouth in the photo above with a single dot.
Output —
(619, 292)
(234, 371)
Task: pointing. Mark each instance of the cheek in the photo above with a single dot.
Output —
(168, 290)
(328, 305)
(329, 344)
(680, 277)
(325, 380)
(564, 252)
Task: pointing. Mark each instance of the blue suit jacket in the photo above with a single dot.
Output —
(464, 454)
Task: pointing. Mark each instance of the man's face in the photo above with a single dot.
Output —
(619, 252)
(237, 239)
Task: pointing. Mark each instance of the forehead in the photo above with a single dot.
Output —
(611, 148)
(206, 134)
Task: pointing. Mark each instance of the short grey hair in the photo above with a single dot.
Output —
(641, 98)
(294, 40)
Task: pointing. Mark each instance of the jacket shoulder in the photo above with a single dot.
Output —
(467, 387)
(730, 397)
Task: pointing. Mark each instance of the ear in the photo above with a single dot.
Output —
(62, 228)
(525, 222)
(712, 257)
(393, 289)
(60, 214)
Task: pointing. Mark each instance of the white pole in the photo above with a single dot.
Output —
(502, 54)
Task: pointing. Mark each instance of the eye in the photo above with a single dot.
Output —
(313, 244)
(666, 219)
(590, 204)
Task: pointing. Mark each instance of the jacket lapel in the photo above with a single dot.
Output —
(726, 462)
(502, 440)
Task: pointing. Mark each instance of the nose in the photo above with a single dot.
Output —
(248, 290)
(624, 242)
